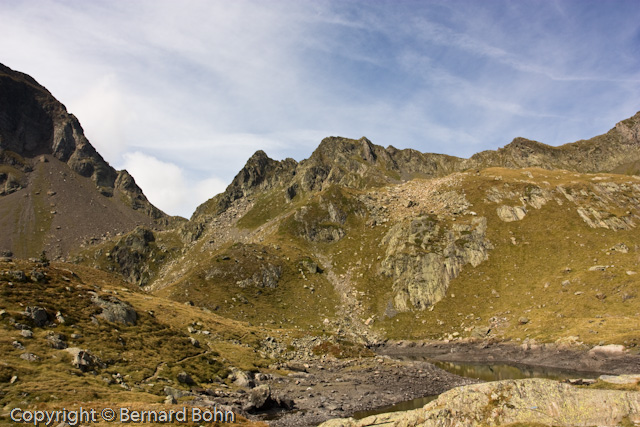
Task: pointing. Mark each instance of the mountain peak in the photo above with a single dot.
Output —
(43, 151)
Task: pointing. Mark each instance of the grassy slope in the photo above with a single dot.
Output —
(155, 343)
(528, 276)
(553, 245)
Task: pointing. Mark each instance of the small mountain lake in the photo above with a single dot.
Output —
(483, 372)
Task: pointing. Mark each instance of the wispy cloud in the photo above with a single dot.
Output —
(193, 88)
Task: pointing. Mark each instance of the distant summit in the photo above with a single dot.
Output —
(360, 163)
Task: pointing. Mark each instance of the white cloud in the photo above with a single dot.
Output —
(106, 116)
(168, 187)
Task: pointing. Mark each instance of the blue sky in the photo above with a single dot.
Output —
(182, 93)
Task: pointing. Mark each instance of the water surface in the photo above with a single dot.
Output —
(483, 372)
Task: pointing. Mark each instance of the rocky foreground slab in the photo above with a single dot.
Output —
(541, 401)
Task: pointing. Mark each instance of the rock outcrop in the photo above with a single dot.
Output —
(132, 254)
(546, 402)
(114, 310)
(423, 255)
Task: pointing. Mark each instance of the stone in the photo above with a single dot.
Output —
(170, 400)
(17, 275)
(522, 402)
(242, 378)
(309, 266)
(480, 331)
(59, 317)
(511, 213)
(29, 357)
(620, 247)
(56, 341)
(608, 350)
(84, 359)
(175, 393)
(17, 345)
(523, 320)
(185, 378)
(27, 333)
(37, 275)
(620, 379)
(267, 277)
(21, 326)
(116, 311)
(258, 398)
(38, 315)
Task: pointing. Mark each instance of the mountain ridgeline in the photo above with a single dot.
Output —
(360, 163)
(374, 242)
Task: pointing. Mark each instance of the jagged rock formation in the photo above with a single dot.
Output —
(616, 150)
(40, 145)
(360, 163)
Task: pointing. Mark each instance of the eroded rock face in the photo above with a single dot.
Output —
(131, 255)
(514, 401)
(322, 221)
(423, 256)
(266, 277)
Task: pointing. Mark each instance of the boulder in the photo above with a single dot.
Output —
(258, 398)
(37, 275)
(480, 331)
(185, 378)
(114, 310)
(608, 350)
(56, 341)
(620, 379)
(16, 275)
(29, 357)
(511, 213)
(84, 360)
(242, 378)
(38, 315)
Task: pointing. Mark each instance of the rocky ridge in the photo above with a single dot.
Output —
(53, 183)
